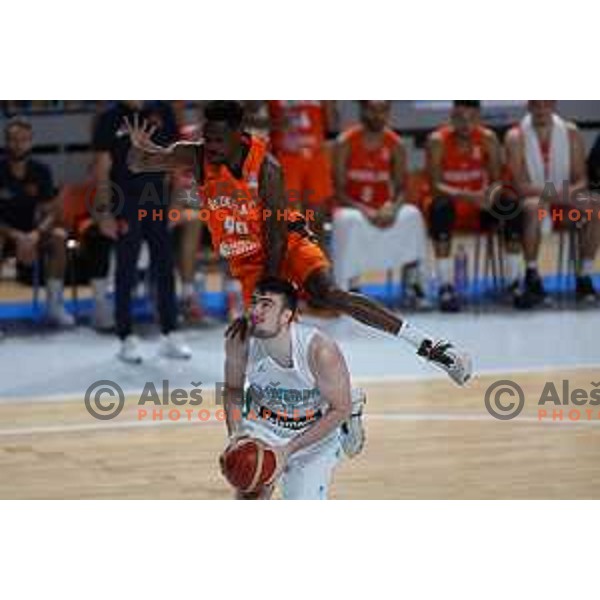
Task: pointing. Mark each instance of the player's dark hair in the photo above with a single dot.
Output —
(20, 122)
(228, 111)
(362, 104)
(467, 103)
(282, 287)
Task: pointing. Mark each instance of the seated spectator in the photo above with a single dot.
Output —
(375, 229)
(546, 158)
(30, 216)
(463, 161)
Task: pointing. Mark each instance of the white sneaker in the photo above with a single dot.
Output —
(59, 317)
(130, 350)
(172, 347)
(352, 431)
(103, 319)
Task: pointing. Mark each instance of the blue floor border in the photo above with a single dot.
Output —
(214, 303)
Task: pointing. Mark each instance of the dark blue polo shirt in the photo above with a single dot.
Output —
(110, 135)
(19, 198)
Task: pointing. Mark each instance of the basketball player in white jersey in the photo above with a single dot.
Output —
(298, 397)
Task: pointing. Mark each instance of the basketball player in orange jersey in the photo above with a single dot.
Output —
(241, 187)
(463, 160)
(546, 160)
(299, 129)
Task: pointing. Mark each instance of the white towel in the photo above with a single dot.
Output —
(559, 153)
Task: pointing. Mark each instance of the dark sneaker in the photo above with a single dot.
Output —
(534, 285)
(523, 299)
(584, 290)
(417, 299)
(448, 299)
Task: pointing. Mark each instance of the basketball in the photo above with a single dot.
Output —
(248, 464)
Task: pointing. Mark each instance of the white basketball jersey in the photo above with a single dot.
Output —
(289, 392)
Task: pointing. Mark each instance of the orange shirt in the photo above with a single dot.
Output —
(234, 208)
(299, 125)
(464, 167)
(369, 170)
(236, 213)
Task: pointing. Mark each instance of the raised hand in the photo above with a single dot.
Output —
(140, 133)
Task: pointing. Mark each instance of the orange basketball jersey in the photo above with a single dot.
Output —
(299, 125)
(368, 171)
(234, 208)
(464, 167)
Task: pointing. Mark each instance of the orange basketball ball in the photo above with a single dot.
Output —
(248, 464)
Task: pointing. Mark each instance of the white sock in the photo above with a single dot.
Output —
(54, 291)
(187, 289)
(100, 287)
(444, 270)
(511, 266)
(532, 264)
(587, 266)
(411, 334)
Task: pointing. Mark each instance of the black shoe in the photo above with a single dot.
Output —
(523, 299)
(534, 285)
(416, 298)
(584, 290)
(448, 299)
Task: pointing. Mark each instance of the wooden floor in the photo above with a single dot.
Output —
(425, 440)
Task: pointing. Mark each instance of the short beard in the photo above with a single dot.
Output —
(263, 335)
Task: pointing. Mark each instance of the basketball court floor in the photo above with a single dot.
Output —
(426, 438)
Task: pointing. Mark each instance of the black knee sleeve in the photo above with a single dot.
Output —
(441, 218)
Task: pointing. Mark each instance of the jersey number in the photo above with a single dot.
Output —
(232, 226)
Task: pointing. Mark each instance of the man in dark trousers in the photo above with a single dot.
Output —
(120, 195)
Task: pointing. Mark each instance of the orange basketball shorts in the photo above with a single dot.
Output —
(302, 259)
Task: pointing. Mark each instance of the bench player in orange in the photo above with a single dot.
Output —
(241, 187)
(299, 130)
(463, 161)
